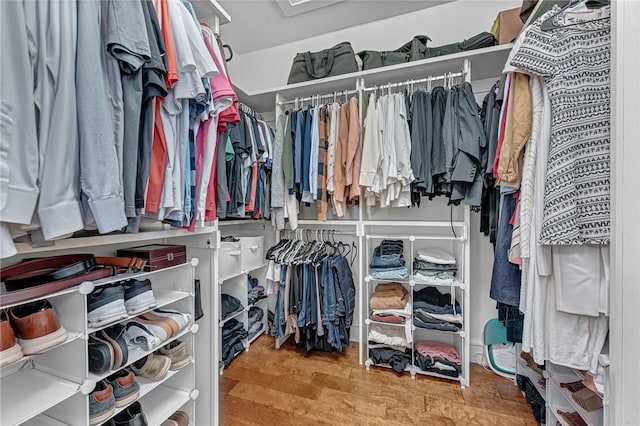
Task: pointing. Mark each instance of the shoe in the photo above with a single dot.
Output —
(181, 319)
(179, 418)
(170, 322)
(102, 403)
(10, 350)
(138, 296)
(105, 305)
(37, 326)
(178, 353)
(162, 323)
(147, 336)
(125, 388)
(153, 367)
(114, 336)
(131, 416)
(101, 355)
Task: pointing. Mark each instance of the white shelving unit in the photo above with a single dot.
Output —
(52, 386)
(415, 236)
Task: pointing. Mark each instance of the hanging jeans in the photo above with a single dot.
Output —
(278, 327)
(505, 281)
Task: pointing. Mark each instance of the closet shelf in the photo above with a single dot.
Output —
(242, 272)
(237, 314)
(110, 239)
(207, 9)
(369, 363)
(533, 376)
(554, 409)
(370, 278)
(136, 354)
(593, 418)
(416, 370)
(163, 402)
(21, 389)
(460, 333)
(455, 283)
(485, 63)
(146, 386)
(242, 222)
(71, 336)
(163, 297)
(43, 420)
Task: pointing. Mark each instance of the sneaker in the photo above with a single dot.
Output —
(147, 336)
(10, 350)
(181, 319)
(161, 322)
(178, 353)
(179, 418)
(125, 388)
(114, 336)
(138, 296)
(153, 367)
(101, 355)
(106, 305)
(170, 322)
(102, 403)
(131, 416)
(37, 326)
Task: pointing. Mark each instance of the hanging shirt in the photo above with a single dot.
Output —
(575, 61)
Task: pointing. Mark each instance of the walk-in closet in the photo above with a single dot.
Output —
(353, 212)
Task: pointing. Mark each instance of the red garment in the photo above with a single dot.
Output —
(254, 185)
(158, 164)
(392, 319)
(172, 67)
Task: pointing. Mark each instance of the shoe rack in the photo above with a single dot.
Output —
(52, 387)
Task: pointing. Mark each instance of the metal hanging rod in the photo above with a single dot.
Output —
(334, 95)
(428, 79)
(319, 232)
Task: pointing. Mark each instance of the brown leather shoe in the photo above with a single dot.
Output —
(10, 350)
(37, 326)
(180, 418)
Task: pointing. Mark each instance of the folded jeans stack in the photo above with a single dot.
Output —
(437, 357)
(388, 261)
(255, 290)
(434, 266)
(436, 311)
(398, 360)
(255, 320)
(233, 334)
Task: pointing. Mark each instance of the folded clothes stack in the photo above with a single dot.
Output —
(434, 266)
(437, 357)
(388, 261)
(436, 311)
(255, 321)
(233, 334)
(230, 305)
(255, 290)
(397, 359)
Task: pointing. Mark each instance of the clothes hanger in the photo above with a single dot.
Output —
(550, 23)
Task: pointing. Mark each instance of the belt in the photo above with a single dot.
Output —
(33, 272)
(40, 277)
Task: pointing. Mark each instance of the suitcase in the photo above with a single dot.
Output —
(158, 256)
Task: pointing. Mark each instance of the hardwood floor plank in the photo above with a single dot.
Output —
(466, 415)
(352, 404)
(227, 384)
(236, 412)
(410, 416)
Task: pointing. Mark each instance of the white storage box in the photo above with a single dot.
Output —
(229, 263)
(252, 252)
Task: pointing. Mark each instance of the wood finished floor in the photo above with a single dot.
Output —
(281, 387)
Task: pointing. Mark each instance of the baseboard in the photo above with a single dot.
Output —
(476, 352)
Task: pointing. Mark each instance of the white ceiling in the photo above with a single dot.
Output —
(260, 24)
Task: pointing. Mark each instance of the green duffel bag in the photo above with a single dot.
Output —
(411, 51)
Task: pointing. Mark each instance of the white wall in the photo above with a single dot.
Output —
(444, 24)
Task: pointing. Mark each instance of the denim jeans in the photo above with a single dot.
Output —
(389, 247)
(505, 280)
(387, 261)
(433, 326)
(513, 320)
(431, 300)
(401, 274)
(278, 327)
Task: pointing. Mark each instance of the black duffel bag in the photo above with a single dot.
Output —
(336, 60)
(476, 42)
(410, 51)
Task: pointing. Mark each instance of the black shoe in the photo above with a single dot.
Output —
(132, 416)
(105, 305)
(138, 296)
(100, 356)
(115, 337)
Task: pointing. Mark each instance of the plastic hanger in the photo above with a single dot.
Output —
(550, 24)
